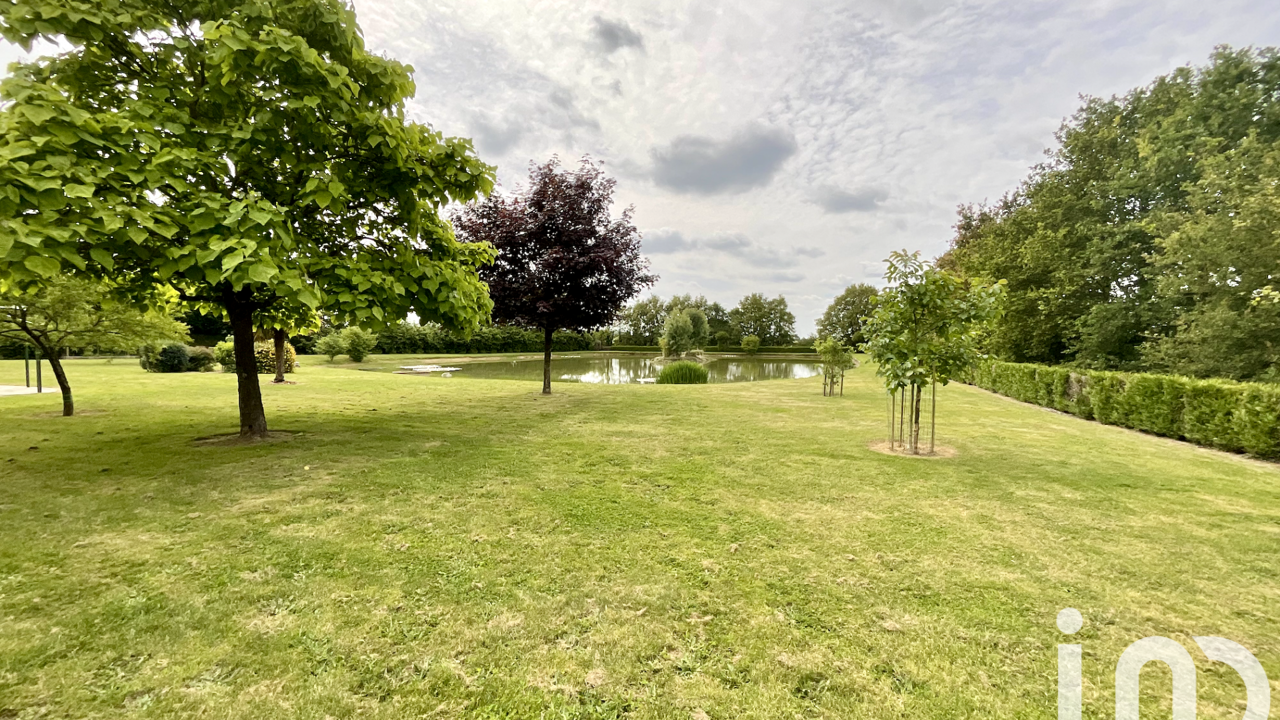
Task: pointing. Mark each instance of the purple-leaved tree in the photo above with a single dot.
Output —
(563, 262)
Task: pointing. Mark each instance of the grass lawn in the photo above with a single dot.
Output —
(430, 547)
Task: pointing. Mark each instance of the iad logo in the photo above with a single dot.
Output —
(1170, 653)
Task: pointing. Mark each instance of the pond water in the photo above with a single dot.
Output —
(622, 369)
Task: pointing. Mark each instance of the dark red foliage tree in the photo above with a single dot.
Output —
(563, 262)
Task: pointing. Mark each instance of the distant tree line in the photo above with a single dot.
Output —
(768, 319)
(1148, 239)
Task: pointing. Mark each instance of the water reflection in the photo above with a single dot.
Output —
(624, 369)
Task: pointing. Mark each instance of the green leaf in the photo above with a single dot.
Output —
(262, 272)
(39, 114)
(44, 266)
(103, 258)
(78, 191)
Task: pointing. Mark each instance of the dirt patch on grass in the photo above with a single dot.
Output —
(940, 452)
(233, 439)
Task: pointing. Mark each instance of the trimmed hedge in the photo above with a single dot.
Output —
(1238, 417)
(403, 338)
(774, 349)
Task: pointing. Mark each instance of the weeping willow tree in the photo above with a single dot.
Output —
(924, 331)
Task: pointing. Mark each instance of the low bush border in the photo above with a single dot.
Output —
(1232, 416)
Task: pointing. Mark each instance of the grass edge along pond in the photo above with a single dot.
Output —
(468, 548)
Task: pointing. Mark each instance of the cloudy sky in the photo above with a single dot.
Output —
(787, 147)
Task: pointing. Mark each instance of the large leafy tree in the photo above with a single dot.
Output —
(844, 318)
(1091, 243)
(564, 262)
(925, 330)
(72, 314)
(248, 154)
(766, 318)
(1219, 268)
(641, 323)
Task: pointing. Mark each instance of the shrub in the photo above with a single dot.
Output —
(722, 340)
(147, 355)
(172, 358)
(201, 359)
(750, 344)
(1239, 417)
(225, 354)
(264, 354)
(359, 342)
(331, 345)
(683, 372)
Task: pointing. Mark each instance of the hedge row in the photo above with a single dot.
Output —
(774, 349)
(1238, 417)
(433, 339)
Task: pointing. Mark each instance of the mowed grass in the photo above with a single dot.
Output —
(430, 547)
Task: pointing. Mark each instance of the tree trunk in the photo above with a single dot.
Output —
(546, 361)
(933, 415)
(280, 337)
(68, 405)
(253, 419)
(55, 364)
(916, 396)
(893, 402)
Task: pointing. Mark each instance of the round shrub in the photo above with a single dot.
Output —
(265, 355)
(683, 372)
(332, 345)
(200, 359)
(225, 354)
(751, 344)
(360, 343)
(173, 358)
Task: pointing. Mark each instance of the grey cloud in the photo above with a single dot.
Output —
(836, 200)
(666, 241)
(496, 138)
(705, 166)
(663, 242)
(613, 35)
(785, 277)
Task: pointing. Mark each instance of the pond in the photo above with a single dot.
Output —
(623, 369)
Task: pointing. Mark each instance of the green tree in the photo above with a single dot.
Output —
(925, 330)
(1218, 263)
(677, 335)
(641, 323)
(836, 359)
(751, 344)
(245, 153)
(767, 319)
(717, 317)
(722, 341)
(698, 320)
(843, 319)
(1082, 242)
(71, 314)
